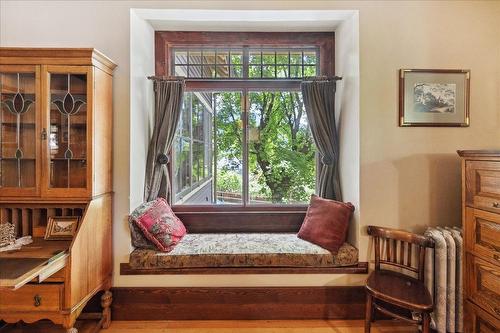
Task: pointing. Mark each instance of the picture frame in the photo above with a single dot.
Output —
(61, 227)
(434, 97)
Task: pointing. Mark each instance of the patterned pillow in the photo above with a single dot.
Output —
(159, 224)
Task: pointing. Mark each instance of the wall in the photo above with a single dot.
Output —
(409, 176)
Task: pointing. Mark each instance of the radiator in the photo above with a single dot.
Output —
(443, 278)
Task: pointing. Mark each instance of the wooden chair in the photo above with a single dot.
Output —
(396, 294)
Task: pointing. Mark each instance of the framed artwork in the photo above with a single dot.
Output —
(434, 97)
(61, 227)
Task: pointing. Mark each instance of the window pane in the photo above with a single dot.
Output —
(181, 166)
(254, 71)
(229, 144)
(309, 71)
(223, 71)
(181, 57)
(236, 57)
(236, 71)
(296, 57)
(181, 70)
(269, 57)
(281, 149)
(195, 57)
(295, 71)
(208, 57)
(268, 71)
(222, 57)
(198, 156)
(197, 118)
(282, 58)
(282, 71)
(208, 71)
(194, 71)
(310, 58)
(255, 57)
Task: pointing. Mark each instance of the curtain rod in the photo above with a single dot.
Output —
(166, 78)
(323, 78)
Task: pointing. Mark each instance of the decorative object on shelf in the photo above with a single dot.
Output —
(68, 106)
(61, 227)
(7, 234)
(434, 97)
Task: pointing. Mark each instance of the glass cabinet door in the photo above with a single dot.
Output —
(19, 135)
(67, 138)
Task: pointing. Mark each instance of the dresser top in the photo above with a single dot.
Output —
(479, 153)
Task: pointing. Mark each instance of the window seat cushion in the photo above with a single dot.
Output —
(244, 250)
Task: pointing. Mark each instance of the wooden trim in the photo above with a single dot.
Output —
(361, 268)
(56, 56)
(479, 153)
(263, 303)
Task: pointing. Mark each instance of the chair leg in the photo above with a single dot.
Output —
(368, 312)
(426, 322)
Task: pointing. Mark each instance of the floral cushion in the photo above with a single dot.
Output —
(244, 250)
(158, 223)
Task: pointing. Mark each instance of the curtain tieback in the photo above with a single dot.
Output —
(162, 159)
(326, 160)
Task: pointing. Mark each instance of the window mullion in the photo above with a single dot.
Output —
(246, 60)
(214, 147)
(245, 147)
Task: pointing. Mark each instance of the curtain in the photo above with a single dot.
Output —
(168, 104)
(319, 102)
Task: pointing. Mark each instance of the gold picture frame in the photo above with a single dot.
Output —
(61, 227)
(434, 97)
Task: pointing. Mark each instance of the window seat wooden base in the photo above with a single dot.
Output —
(250, 253)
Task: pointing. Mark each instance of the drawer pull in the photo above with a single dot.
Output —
(496, 257)
(496, 205)
(38, 300)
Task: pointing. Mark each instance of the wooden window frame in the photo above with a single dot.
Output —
(225, 218)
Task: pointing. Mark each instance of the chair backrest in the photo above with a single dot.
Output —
(398, 246)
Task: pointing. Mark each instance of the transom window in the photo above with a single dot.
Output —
(245, 63)
(244, 138)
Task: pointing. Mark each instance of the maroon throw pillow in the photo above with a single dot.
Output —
(326, 223)
(159, 224)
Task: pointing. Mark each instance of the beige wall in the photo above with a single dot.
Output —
(409, 176)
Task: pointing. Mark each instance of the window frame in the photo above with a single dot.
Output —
(241, 218)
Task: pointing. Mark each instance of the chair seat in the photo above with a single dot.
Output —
(400, 290)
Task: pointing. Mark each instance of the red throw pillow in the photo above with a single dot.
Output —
(326, 223)
(159, 224)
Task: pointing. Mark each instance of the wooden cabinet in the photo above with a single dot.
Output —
(55, 160)
(481, 223)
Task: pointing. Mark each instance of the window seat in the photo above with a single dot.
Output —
(244, 253)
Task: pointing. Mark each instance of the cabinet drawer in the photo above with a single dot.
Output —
(482, 233)
(478, 321)
(484, 284)
(483, 185)
(32, 297)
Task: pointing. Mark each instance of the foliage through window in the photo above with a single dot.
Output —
(244, 138)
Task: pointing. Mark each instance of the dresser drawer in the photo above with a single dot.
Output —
(478, 321)
(482, 233)
(32, 297)
(483, 185)
(483, 285)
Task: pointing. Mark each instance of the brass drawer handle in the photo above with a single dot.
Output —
(38, 300)
(496, 205)
(496, 257)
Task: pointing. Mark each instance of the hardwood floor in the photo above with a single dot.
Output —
(227, 326)
(256, 326)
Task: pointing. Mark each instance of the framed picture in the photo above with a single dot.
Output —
(434, 97)
(61, 227)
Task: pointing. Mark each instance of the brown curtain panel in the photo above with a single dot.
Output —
(168, 104)
(319, 102)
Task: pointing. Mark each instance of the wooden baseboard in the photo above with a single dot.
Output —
(264, 303)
